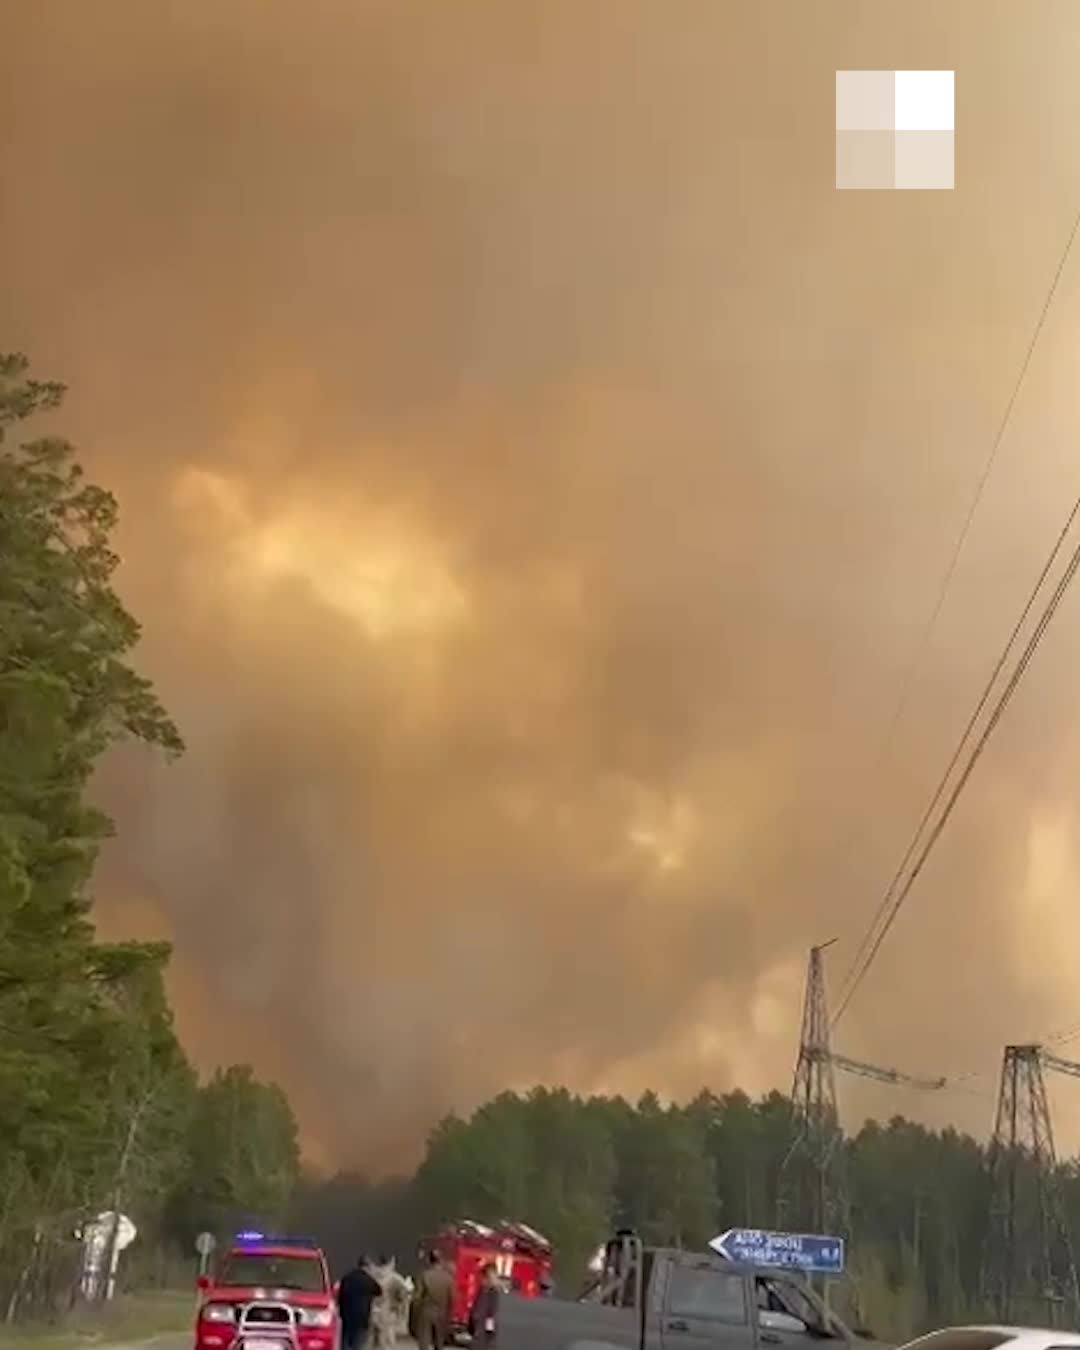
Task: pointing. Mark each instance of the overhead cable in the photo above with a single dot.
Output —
(947, 579)
(897, 893)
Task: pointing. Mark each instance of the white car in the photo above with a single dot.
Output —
(995, 1338)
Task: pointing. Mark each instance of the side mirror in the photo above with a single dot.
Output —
(778, 1321)
(203, 1283)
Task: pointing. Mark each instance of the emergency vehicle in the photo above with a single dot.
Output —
(256, 1274)
(522, 1257)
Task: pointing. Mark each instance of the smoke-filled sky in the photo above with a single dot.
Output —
(535, 483)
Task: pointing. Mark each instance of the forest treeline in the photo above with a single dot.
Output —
(919, 1200)
(99, 1107)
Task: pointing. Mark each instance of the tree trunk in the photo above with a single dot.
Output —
(105, 1290)
(24, 1277)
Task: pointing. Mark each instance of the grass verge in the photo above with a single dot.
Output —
(128, 1318)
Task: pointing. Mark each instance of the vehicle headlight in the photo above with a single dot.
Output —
(316, 1317)
(218, 1312)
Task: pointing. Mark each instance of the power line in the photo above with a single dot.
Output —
(980, 489)
(947, 580)
(897, 901)
(887, 898)
(1063, 1037)
(999, 709)
(1048, 1038)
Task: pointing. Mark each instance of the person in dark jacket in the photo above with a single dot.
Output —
(357, 1293)
(483, 1319)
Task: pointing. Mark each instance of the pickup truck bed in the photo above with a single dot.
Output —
(552, 1324)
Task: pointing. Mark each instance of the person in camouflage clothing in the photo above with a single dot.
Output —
(391, 1308)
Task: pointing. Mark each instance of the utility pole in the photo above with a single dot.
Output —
(816, 1153)
(812, 1187)
(1029, 1255)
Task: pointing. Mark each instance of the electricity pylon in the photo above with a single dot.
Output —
(817, 1148)
(1029, 1256)
(812, 1184)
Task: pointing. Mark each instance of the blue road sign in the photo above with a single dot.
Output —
(811, 1253)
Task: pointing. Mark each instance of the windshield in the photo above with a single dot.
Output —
(703, 1292)
(270, 1271)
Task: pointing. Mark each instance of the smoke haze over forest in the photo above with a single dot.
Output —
(535, 481)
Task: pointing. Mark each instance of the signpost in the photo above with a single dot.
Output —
(124, 1234)
(204, 1245)
(103, 1240)
(813, 1254)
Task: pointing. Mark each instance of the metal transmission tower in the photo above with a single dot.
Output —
(1029, 1256)
(812, 1187)
(812, 1180)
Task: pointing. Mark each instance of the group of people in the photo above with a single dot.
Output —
(376, 1304)
(373, 1304)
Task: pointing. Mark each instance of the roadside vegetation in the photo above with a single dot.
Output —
(100, 1109)
(129, 1319)
(680, 1174)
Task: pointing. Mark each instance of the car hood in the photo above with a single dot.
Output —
(244, 1293)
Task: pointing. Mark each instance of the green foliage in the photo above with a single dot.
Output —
(574, 1168)
(99, 1107)
(243, 1156)
(666, 1180)
(548, 1158)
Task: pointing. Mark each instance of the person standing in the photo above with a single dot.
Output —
(356, 1295)
(483, 1317)
(386, 1314)
(408, 1291)
(434, 1303)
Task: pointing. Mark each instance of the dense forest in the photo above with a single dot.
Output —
(919, 1200)
(99, 1108)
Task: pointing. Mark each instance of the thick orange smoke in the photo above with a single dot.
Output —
(535, 480)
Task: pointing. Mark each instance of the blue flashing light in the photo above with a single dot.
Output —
(273, 1240)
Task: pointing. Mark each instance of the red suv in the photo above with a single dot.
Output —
(287, 1270)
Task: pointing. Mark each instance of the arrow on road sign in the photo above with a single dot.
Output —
(812, 1253)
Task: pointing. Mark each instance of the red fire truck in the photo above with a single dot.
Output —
(522, 1257)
